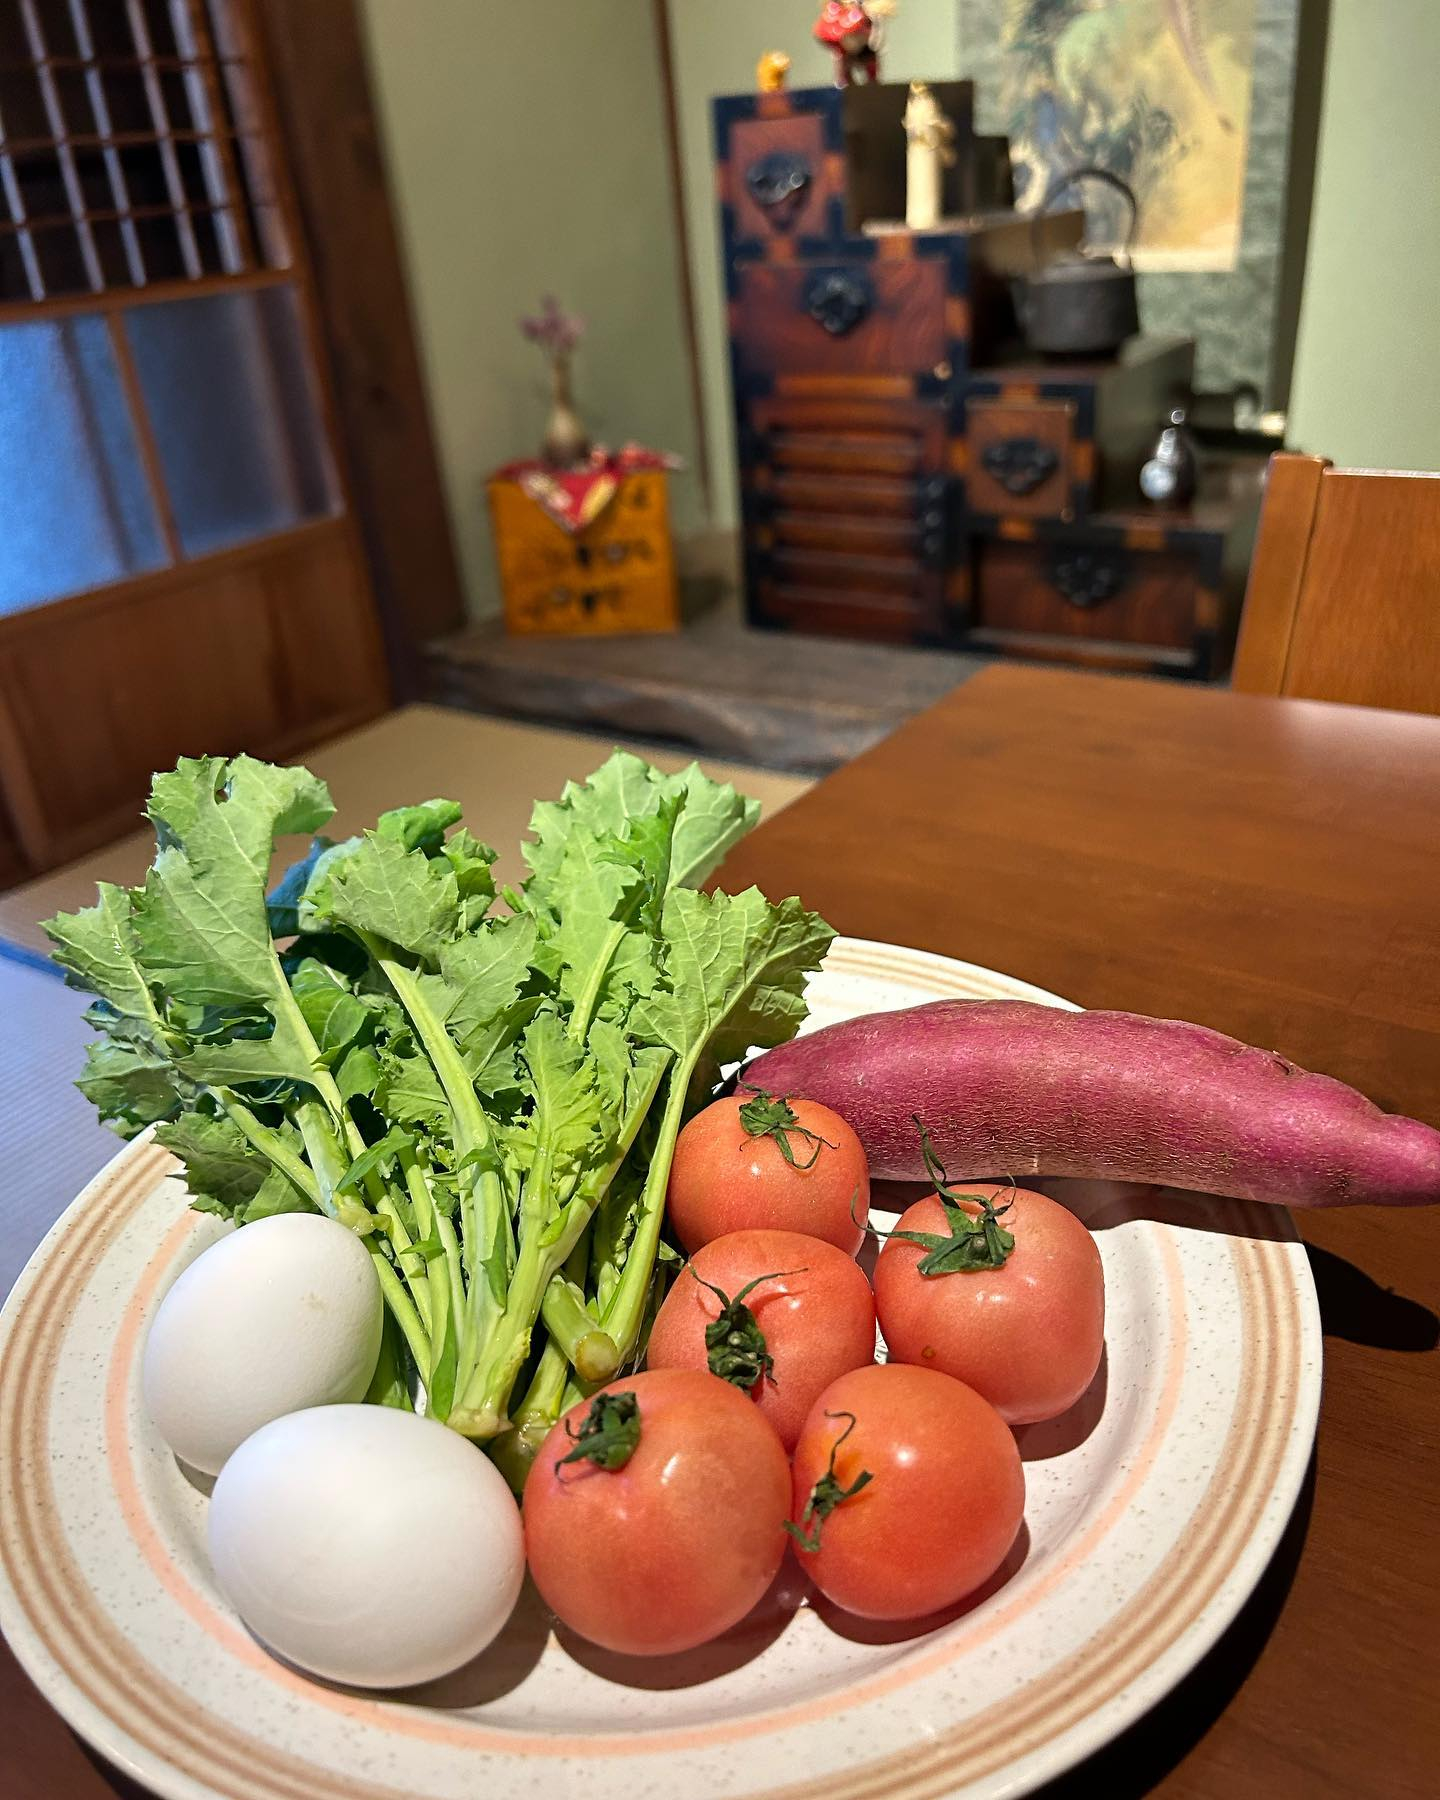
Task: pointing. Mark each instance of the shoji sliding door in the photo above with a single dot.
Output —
(179, 568)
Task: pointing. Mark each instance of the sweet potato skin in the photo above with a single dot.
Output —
(1010, 1088)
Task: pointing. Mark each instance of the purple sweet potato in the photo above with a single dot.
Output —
(1011, 1088)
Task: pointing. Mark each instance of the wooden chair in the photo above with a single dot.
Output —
(1343, 601)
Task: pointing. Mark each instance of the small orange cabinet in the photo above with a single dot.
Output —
(616, 574)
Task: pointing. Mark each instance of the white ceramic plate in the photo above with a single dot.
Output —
(1153, 1508)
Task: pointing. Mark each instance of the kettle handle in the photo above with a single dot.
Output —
(1061, 182)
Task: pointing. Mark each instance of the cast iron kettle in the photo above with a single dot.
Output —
(1082, 304)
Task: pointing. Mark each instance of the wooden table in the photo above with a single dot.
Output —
(1269, 868)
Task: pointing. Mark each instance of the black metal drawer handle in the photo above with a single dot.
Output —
(839, 301)
(778, 183)
(1088, 578)
(1020, 464)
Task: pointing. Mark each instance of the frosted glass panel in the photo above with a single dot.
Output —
(227, 389)
(74, 509)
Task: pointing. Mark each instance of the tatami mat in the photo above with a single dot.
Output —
(50, 1141)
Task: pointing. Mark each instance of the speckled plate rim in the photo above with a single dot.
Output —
(100, 1683)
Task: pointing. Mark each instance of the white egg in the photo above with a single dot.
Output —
(370, 1546)
(282, 1314)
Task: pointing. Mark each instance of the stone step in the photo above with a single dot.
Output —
(776, 700)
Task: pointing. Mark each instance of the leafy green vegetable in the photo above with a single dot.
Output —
(486, 1088)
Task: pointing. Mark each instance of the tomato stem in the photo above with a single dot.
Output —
(827, 1493)
(610, 1434)
(768, 1115)
(734, 1343)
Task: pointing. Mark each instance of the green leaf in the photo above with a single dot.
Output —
(409, 1091)
(471, 862)
(222, 1167)
(421, 827)
(378, 888)
(131, 1086)
(275, 1195)
(335, 1017)
(223, 812)
(96, 948)
(481, 977)
(247, 1059)
(565, 1126)
(626, 788)
(358, 1073)
(377, 1160)
(734, 976)
(478, 996)
(201, 929)
(714, 819)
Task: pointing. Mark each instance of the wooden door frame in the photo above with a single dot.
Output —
(319, 81)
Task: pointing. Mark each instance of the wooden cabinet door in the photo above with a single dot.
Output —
(180, 568)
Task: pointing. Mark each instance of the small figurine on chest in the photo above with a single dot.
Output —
(853, 33)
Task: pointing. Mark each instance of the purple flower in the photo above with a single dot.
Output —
(552, 329)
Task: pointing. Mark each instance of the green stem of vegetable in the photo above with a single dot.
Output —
(290, 1020)
(625, 1313)
(591, 1350)
(472, 1131)
(515, 1451)
(445, 1231)
(328, 1162)
(485, 1394)
(272, 1145)
(546, 1397)
(437, 1268)
(389, 1385)
(402, 1307)
(589, 997)
(483, 1198)
(417, 1277)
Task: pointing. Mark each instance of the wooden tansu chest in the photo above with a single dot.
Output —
(616, 574)
(907, 471)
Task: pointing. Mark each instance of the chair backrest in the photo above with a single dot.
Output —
(1343, 601)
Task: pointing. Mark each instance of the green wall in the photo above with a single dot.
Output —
(716, 48)
(1367, 366)
(526, 153)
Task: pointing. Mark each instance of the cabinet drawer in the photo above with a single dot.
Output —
(808, 568)
(1020, 458)
(1102, 594)
(779, 178)
(864, 317)
(803, 491)
(872, 452)
(856, 536)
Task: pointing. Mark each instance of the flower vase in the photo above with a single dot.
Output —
(566, 440)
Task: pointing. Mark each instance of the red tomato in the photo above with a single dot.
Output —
(943, 1504)
(1027, 1335)
(731, 1173)
(815, 1319)
(678, 1542)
